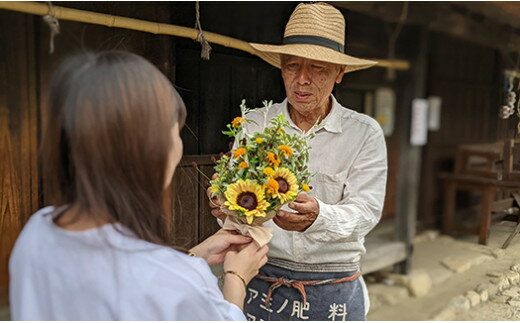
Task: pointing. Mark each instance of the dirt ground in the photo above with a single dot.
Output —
(428, 256)
(493, 310)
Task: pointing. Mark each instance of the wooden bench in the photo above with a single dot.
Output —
(485, 170)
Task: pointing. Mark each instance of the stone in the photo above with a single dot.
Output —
(388, 282)
(484, 296)
(474, 298)
(495, 274)
(439, 274)
(510, 293)
(498, 253)
(447, 314)
(399, 280)
(387, 295)
(514, 303)
(428, 235)
(501, 299)
(459, 303)
(457, 265)
(478, 260)
(513, 277)
(419, 283)
(516, 267)
(485, 290)
(502, 283)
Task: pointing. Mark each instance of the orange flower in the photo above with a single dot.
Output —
(272, 186)
(239, 152)
(242, 165)
(280, 131)
(237, 122)
(273, 159)
(286, 150)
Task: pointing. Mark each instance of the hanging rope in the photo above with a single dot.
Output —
(201, 38)
(390, 73)
(54, 26)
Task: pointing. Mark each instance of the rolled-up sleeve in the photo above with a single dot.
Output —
(363, 196)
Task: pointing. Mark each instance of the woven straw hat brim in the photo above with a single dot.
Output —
(271, 54)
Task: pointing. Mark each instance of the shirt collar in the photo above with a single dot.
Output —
(331, 123)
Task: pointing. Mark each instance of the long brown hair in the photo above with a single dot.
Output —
(107, 139)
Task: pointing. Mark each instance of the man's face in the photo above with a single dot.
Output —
(309, 83)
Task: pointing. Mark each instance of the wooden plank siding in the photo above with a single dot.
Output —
(466, 76)
(18, 134)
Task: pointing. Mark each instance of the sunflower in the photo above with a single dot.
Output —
(247, 197)
(239, 152)
(273, 159)
(285, 150)
(287, 186)
(306, 187)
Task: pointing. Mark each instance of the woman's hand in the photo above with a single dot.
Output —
(246, 262)
(215, 248)
(244, 265)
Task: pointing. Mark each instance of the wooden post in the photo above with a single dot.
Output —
(410, 160)
(488, 195)
(450, 191)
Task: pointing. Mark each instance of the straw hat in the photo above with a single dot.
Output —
(315, 31)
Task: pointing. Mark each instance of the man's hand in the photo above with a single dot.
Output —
(214, 204)
(308, 210)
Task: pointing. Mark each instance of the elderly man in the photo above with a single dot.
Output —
(314, 259)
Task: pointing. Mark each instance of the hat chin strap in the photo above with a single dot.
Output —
(314, 40)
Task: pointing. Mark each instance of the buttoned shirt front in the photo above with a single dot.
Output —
(349, 162)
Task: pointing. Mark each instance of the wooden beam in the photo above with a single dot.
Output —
(453, 18)
(152, 27)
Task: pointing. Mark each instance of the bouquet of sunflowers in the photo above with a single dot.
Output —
(264, 171)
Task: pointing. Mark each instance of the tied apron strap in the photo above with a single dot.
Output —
(300, 285)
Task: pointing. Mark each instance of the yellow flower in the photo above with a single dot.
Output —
(273, 159)
(280, 131)
(239, 152)
(269, 171)
(272, 187)
(287, 186)
(214, 188)
(237, 122)
(259, 140)
(242, 165)
(286, 150)
(306, 187)
(247, 197)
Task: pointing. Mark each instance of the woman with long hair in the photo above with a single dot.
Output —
(102, 251)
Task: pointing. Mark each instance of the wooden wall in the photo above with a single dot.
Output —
(468, 78)
(18, 133)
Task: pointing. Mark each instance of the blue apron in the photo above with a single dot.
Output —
(327, 302)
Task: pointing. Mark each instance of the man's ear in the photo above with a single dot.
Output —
(339, 78)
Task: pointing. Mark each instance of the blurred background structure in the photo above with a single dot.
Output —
(442, 93)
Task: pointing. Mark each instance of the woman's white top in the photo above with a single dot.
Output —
(107, 274)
